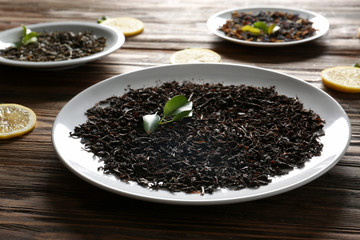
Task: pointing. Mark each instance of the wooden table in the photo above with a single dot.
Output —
(41, 199)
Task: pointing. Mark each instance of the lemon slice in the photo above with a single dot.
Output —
(195, 55)
(343, 79)
(15, 120)
(127, 25)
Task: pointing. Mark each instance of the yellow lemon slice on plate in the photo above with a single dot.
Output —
(343, 79)
(195, 55)
(15, 120)
(127, 25)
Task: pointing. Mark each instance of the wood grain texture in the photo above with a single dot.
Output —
(41, 199)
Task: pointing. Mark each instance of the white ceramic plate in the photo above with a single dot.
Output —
(114, 40)
(217, 20)
(82, 163)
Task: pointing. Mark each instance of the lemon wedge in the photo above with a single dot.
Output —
(15, 120)
(195, 55)
(127, 25)
(343, 79)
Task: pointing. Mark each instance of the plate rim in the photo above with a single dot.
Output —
(175, 201)
(267, 44)
(118, 36)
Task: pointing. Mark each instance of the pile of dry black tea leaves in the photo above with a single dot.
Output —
(57, 46)
(238, 137)
(291, 26)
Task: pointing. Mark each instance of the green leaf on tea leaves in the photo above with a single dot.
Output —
(28, 36)
(273, 28)
(103, 18)
(263, 26)
(25, 30)
(187, 107)
(175, 104)
(253, 30)
(151, 122)
(183, 114)
(178, 107)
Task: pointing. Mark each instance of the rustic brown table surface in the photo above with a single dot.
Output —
(41, 199)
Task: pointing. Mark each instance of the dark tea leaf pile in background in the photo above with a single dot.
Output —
(238, 137)
(57, 46)
(291, 26)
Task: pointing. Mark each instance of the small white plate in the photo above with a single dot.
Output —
(114, 40)
(217, 20)
(80, 162)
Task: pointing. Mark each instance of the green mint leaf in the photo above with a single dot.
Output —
(356, 65)
(174, 104)
(262, 26)
(151, 122)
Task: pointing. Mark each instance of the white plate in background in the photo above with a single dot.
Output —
(114, 40)
(217, 20)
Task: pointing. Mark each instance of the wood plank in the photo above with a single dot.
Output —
(41, 199)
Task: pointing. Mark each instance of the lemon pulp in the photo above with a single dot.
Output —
(344, 79)
(15, 120)
(127, 25)
(195, 55)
